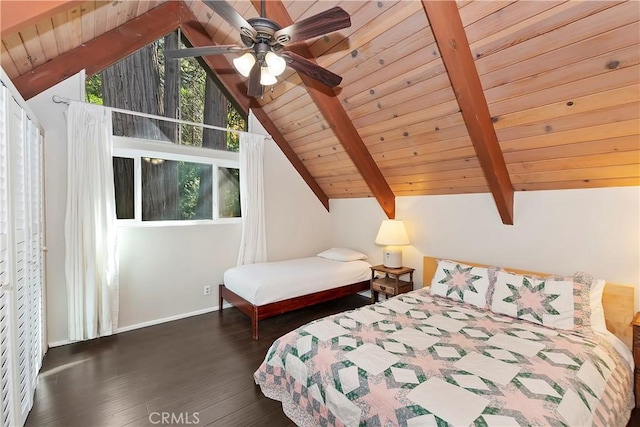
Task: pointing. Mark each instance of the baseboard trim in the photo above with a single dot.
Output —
(151, 323)
(165, 320)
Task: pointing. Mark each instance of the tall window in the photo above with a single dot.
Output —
(154, 182)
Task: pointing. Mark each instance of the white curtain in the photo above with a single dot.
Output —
(253, 243)
(90, 224)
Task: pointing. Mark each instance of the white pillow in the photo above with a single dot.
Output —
(595, 289)
(546, 301)
(342, 254)
(461, 282)
(595, 301)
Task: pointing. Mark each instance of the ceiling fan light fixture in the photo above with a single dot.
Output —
(263, 49)
(244, 63)
(266, 78)
(275, 63)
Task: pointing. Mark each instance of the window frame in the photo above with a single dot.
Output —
(137, 148)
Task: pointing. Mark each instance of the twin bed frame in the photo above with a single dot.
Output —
(259, 312)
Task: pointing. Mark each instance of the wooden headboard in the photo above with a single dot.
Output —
(618, 300)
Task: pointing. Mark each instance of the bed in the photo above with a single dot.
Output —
(264, 290)
(453, 355)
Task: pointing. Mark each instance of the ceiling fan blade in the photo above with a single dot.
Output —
(303, 65)
(229, 14)
(254, 88)
(324, 22)
(202, 51)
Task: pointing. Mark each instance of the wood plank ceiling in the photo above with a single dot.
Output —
(560, 81)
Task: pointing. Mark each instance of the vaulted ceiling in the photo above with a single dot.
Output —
(437, 97)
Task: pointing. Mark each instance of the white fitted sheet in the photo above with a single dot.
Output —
(268, 282)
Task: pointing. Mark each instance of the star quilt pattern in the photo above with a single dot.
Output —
(557, 302)
(422, 360)
(461, 282)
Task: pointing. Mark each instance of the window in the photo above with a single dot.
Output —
(168, 172)
(161, 183)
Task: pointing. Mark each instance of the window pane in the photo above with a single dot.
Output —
(229, 193)
(191, 135)
(124, 187)
(146, 82)
(195, 190)
(173, 190)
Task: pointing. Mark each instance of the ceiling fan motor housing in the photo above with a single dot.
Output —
(261, 50)
(265, 28)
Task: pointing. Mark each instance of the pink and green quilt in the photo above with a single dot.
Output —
(419, 360)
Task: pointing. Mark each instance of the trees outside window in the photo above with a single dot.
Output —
(171, 190)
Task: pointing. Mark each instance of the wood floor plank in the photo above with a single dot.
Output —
(199, 365)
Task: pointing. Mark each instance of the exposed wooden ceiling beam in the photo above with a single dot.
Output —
(228, 76)
(103, 51)
(454, 48)
(16, 15)
(334, 113)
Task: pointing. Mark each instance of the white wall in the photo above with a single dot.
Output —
(52, 117)
(593, 230)
(297, 223)
(163, 270)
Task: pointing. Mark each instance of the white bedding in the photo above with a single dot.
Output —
(264, 283)
(619, 346)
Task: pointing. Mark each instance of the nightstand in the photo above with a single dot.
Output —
(636, 356)
(390, 284)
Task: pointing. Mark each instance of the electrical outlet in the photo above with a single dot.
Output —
(207, 290)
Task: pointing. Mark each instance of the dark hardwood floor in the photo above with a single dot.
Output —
(196, 371)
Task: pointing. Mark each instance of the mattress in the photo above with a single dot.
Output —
(420, 360)
(264, 283)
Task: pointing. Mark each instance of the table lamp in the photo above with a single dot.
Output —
(392, 234)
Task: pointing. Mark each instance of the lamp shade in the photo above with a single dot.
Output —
(275, 63)
(266, 78)
(244, 63)
(392, 233)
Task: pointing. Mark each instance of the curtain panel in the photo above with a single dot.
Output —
(253, 243)
(90, 224)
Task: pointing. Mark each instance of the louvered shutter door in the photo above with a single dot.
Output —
(21, 260)
(18, 134)
(33, 247)
(6, 354)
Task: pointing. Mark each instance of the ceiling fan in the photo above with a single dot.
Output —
(264, 58)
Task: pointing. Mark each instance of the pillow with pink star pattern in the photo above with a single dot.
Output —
(461, 282)
(555, 301)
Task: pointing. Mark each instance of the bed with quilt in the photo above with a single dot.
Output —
(482, 346)
(267, 289)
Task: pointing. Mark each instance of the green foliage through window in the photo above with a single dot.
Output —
(176, 190)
